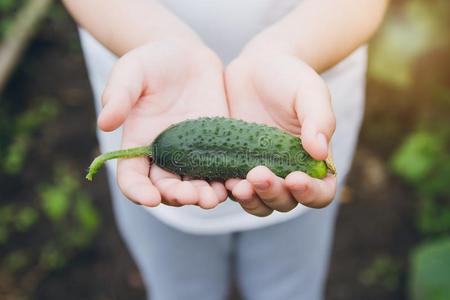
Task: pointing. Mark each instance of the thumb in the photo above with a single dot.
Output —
(315, 114)
(123, 90)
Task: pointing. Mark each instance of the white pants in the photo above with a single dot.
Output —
(285, 261)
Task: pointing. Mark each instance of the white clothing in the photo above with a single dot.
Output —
(226, 26)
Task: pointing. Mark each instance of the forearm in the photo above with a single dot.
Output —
(323, 32)
(122, 25)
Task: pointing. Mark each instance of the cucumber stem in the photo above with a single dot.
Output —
(330, 165)
(100, 160)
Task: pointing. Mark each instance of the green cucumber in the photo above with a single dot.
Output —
(221, 148)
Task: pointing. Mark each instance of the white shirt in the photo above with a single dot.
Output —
(226, 26)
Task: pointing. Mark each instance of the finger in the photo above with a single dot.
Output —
(218, 187)
(231, 183)
(125, 86)
(172, 188)
(220, 191)
(271, 190)
(244, 193)
(311, 192)
(315, 113)
(207, 196)
(132, 178)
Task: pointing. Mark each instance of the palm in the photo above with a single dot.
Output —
(278, 91)
(172, 89)
(188, 99)
(268, 92)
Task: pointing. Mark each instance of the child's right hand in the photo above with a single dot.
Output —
(151, 88)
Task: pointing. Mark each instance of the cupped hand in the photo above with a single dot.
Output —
(276, 88)
(151, 88)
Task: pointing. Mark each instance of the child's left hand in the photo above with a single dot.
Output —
(276, 88)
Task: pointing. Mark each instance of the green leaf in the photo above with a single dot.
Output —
(4, 234)
(430, 271)
(54, 202)
(383, 271)
(433, 217)
(6, 214)
(26, 218)
(15, 156)
(32, 119)
(86, 213)
(6, 4)
(418, 156)
(51, 257)
(405, 37)
(56, 198)
(16, 260)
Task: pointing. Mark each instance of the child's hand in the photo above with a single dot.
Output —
(150, 88)
(276, 88)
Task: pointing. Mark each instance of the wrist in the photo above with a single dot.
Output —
(193, 49)
(279, 40)
(272, 41)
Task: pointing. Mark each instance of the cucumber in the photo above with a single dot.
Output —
(222, 148)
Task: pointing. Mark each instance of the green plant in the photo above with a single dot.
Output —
(56, 197)
(87, 220)
(51, 257)
(433, 217)
(8, 9)
(430, 271)
(423, 161)
(21, 133)
(16, 260)
(15, 218)
(6, 4)
(383, 271)
(419, 156)
(25, 218)
(70, 221)
(4, 234)
(422, 27)
(70, 210)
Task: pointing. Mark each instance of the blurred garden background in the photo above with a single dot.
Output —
(57, 234)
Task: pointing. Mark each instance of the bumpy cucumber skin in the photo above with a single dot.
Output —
(221, 148)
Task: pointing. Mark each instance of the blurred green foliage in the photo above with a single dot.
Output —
(384, 271)
(410, 56)
(63, 200)
(16, 260)
(55, 197)
(8, 9)
(25, 218)
(433, 217)
(17, 135)
(411, 31)
(14, 218)
(52, 257)
(7, 4)
(423, 160)
(57, 220)
(67, 216)
(409, 66)
(430, 269)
